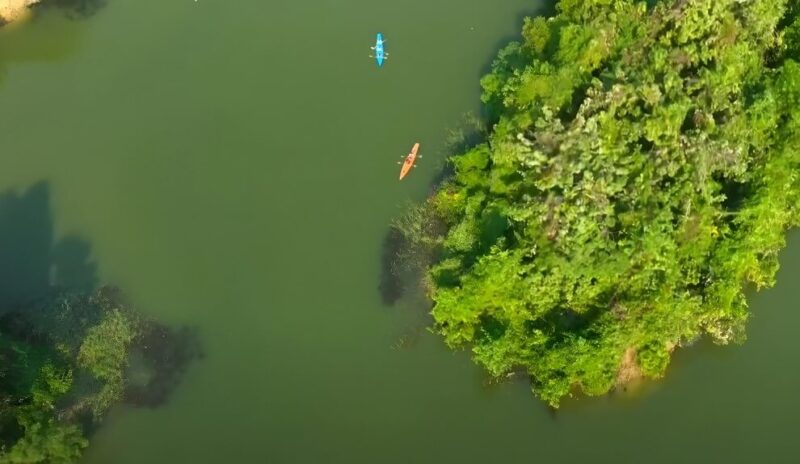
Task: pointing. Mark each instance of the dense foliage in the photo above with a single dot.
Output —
(642, 171)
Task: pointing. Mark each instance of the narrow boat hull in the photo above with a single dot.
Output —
(409, 162)
(380, 53)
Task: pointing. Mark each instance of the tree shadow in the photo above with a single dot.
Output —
(74, 9)
(32, 263)
(27, 250)
(71, 266)
(162, 354)
(391, 285)
(25, 241)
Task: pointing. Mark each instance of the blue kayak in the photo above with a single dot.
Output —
(380, 54)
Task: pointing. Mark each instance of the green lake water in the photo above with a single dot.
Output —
(232, 166)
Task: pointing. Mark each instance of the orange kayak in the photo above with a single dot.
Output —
(409, 162)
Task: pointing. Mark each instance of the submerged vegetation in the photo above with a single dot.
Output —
(67, 360)
(69, 352)
(640, 175)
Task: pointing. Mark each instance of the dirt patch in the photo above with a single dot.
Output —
(629, 372)
(671, 346)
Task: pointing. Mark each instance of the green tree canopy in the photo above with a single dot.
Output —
(641, 172)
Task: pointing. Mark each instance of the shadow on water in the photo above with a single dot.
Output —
(71, 265)
(40, 276)
(391, 287)
(25, 243)
(31, 263)
(74, 9)
(162, 354)
(399, 270)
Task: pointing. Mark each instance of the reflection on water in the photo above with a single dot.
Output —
(76, 9)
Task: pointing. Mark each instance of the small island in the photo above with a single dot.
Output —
(639, 177)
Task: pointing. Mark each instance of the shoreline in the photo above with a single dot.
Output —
(14, 10)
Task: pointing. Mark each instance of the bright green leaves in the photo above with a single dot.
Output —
(582, 46)
(585, 10)
(51, 384)
(470, 167)
(494, 85)
(537, 34)
(787, 85)
(448, 203)
(555, 60)
(44, 439)
(462, 237)
(104, 353)
(47, 442)
(653, 359)
(494, 289)
(791, 38)
(664, 126)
